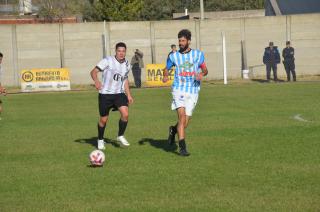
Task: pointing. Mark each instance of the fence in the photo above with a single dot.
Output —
(80, 46)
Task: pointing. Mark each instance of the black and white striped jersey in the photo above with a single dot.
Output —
(114, 75)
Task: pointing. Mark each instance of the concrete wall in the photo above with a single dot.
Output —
(80, 46)
(224, 14)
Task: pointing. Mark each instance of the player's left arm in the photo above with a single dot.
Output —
(203, 67)
(127, 90)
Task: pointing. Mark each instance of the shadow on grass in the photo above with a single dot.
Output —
(93, 141)
(266, 81)
(160, 144)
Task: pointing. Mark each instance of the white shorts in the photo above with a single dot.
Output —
(183, 99)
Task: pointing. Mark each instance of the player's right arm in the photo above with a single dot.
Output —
(166, 70)
(94, 76)
(102, 65)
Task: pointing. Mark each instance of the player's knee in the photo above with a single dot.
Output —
(103, 121)
(182, 121)
(125, 116)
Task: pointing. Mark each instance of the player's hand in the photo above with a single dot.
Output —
(98, 85)
(165, 79)
(130, 99)
(199, 76)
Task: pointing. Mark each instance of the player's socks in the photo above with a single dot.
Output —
(172, 134)
(122, 127)
(101, 131)
(174, 128)
(183, 148)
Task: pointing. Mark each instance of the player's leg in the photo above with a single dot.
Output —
(122, 104)
(172, 134)
(186, 113)
(181, 122)
(101, 126)
(104, 107)
(187, 121)
(181, 131)
(177, 102)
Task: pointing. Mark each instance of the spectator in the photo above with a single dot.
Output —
(271, 58)
(173, 49)
(137, 65)
(288, 61)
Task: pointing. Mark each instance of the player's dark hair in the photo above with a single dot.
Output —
(173, 45)
(1, 55)
(121, 44)
(185, 33)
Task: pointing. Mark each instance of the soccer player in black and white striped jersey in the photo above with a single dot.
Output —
(114, 92)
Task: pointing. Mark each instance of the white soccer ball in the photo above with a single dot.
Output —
(97, 158)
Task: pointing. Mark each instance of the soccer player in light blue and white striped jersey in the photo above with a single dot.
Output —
(190, 69)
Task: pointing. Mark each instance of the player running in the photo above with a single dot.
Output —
(190, 69)
(114, 92)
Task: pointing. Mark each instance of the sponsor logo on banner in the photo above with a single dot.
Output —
(52, 79)
(155, 74)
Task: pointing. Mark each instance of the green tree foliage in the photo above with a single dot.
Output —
(135, 10)
(57, 9)
(163, 9)
(160, 9)
(225, 5)
(118, 10)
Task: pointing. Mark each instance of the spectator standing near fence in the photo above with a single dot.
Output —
(173, 49)
(137, 64)
(288, 61)
(271, 58)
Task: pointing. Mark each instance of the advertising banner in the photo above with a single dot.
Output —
(155, 74)
(53, 79)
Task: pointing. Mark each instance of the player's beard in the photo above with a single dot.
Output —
(183, 49)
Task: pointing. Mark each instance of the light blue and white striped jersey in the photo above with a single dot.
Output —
(187, 67)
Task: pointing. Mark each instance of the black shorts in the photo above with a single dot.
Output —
(111, 101)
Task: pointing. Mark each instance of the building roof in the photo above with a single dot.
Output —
(289, 7)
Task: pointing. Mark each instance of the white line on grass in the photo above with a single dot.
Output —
(299, 118)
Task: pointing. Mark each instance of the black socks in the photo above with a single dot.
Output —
(122, 127)
(101, 131)
(182, 144)
(174, 128)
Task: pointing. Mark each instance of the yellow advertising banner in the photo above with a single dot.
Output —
(52, 79)
(154, 75)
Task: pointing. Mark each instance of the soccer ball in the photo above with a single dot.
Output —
(97, 158)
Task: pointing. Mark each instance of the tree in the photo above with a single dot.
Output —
(118, 10)
(135, 10)
(57, 9)
(158, 9)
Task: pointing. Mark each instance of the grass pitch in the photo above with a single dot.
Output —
(249, 152)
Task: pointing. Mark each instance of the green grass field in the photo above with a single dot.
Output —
(248, 153)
